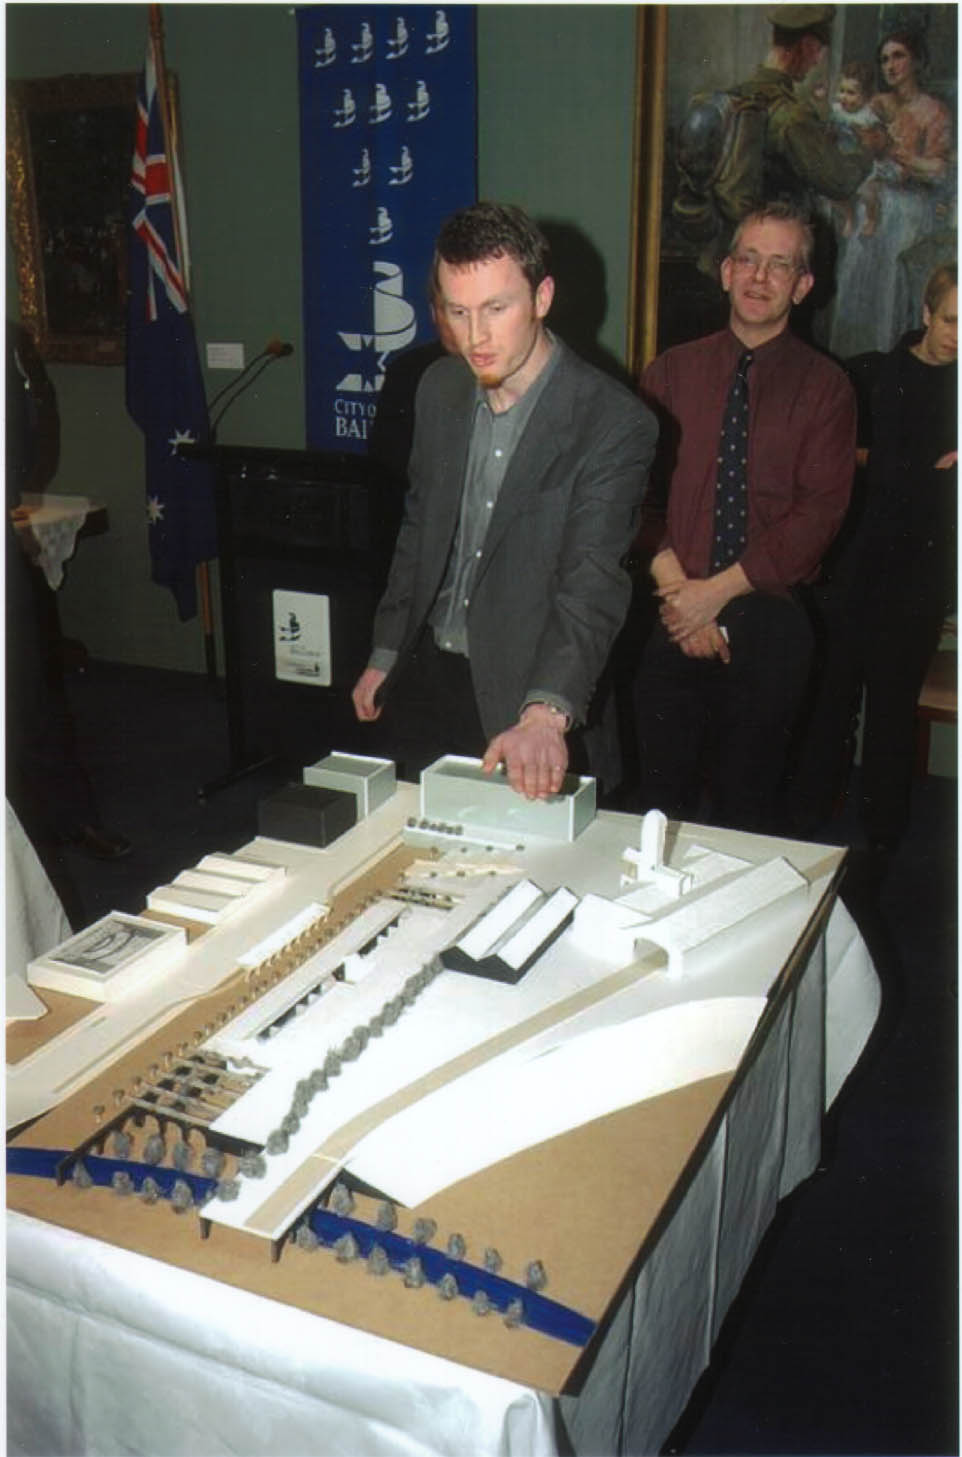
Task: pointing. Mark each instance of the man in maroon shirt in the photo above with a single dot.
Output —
(723, 673)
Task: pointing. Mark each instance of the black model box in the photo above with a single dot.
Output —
(306, 814)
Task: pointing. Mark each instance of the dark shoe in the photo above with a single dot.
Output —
(100, 843)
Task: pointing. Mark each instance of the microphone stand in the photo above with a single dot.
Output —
(244, 380)
(255, 760)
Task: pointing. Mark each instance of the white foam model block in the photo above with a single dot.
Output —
(648, 861)
(282, 936)
(705, 925)
(192, 904)
(485, 934)
(654, 827)
(674, 883)
(607, 928)
(707, 865)
(243, 866)
(456, 791)
(219, 884)
(539, 929)
(117, 955)
(371, 781)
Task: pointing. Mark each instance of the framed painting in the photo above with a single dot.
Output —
(69, 144)
(715, 107)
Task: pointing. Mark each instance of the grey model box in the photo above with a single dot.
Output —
(371, 781)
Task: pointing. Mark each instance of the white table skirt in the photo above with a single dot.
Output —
(111, 1352)
(34, 919)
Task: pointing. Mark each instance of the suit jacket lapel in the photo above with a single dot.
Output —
(456, 416)
(543, 439)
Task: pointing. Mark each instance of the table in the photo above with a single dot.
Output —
(111, 1350)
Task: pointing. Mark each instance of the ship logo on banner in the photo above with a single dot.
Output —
(381, 108)
(395, 326)
(363, 50)
(388, 151)
(404, 170)
(362, 173)
(420, 107)
(397, 45)
(326, 52)
(439, 38)
(382, 231)
(346, 113)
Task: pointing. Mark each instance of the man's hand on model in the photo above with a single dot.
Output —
(534, 752)
(363, 694)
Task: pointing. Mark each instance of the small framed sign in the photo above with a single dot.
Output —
(116, 955)
(302, 638)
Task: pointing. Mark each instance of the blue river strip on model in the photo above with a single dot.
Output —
(540, 1314)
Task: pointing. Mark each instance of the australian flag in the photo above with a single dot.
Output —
(165, 389)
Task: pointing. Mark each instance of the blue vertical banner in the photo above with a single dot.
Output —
(388, 150)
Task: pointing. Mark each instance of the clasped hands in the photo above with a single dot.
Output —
(689, 608)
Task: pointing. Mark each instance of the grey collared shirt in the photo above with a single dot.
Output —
(494, 439)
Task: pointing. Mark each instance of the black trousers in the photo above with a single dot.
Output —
(896, 649)
(879, 636)
(713, 737)
(429, 710)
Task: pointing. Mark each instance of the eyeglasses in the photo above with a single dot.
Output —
(780, 268)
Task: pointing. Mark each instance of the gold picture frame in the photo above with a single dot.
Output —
(69, 146)
(649, 158)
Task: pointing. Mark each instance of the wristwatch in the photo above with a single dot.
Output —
(552, 709)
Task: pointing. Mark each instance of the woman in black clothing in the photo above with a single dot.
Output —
(905, 573)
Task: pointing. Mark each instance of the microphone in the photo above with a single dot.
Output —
(273, 350)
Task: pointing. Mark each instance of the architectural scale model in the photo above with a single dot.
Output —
(387, 1047)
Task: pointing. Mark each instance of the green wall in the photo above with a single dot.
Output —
(556, 85)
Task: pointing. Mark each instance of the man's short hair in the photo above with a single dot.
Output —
(780, 212)
(492, 230)
(941, 282)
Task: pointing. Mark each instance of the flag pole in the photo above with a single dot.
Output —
(164, 98)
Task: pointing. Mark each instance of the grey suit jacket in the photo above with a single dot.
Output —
(551, 593)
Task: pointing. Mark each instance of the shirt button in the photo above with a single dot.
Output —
(478, 553)
(466, 600)
(498, 454)
(490, 505)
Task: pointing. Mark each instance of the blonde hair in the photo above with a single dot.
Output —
(941, 282)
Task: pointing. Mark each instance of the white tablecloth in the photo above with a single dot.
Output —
(34, 919)
(55, 522)
(110, 1352)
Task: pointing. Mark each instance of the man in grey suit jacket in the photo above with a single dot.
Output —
(526, 476)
